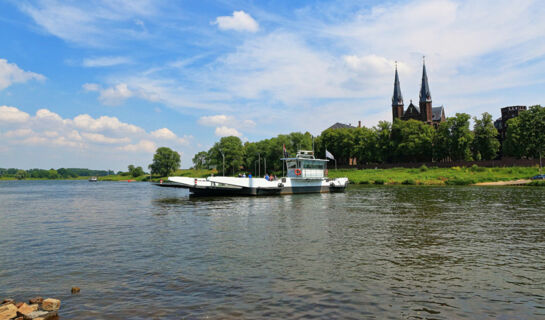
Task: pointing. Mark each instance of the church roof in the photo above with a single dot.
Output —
(411, 110)
(397, 98)
(437, 113)
(339, 125)
(425, 94)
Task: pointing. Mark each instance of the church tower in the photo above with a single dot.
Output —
(425, 97)
(397, 99)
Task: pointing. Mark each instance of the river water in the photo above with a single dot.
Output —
(143, 252)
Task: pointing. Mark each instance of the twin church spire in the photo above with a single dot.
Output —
(424, 113)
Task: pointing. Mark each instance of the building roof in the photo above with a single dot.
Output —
(411, 110)
(397, 98)
(437, 113)
(339, 125)
(425, 94)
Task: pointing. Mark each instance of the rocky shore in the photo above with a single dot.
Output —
(36, 309)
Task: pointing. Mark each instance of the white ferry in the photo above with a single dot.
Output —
(305, 174)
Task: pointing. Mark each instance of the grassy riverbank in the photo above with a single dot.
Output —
(434, 176)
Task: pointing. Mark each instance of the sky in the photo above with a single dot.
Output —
(102, 84)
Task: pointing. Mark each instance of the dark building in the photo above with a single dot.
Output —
(339, 125)
(425, 111)
(506, 114)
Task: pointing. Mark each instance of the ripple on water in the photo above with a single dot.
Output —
(142, 252)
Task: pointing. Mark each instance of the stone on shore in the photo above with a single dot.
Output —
(8, 311)
(51, 304)
(25, 309)
(37, 315)
(7, 301)
(37, 300)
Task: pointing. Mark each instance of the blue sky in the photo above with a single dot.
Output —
(102, 84)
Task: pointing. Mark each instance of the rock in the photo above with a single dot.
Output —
(75, 290)
(18, 304)
(19, 318)
(25, 309)
(37, 300)
(40, 314)
(8, 301)
(51, 304)
(8, 311)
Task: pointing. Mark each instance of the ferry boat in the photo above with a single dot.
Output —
(305, 174)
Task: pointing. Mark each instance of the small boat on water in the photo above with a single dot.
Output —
(305, 174)
(93, 179)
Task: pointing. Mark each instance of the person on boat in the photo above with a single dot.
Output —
(266, 176)
(244, 175)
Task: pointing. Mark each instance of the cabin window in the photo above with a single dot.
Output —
(292, 164)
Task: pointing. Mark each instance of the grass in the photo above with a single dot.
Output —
(434, 176)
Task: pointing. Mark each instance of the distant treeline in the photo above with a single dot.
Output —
(397, 142)
(61, 173)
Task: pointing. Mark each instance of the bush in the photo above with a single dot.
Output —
(364, 182)
(459, 182)
(476, 168)
(379, 181)
(409, 182)
(537, 183)
(423, 168)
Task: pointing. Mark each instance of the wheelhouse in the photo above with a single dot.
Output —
(304, 165)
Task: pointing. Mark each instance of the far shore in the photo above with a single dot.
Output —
(477, 176)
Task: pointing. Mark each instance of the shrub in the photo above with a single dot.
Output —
(364, 182)
(379, 181)
(459, 182)
(423, 168)
(409, 182)
(476, 168)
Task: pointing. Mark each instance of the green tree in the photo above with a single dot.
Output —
(412, 141)
(485, 143)
(383, 131)
(200, 160)
(231, 148)
(514, 145)
(528, 131)
(453, 139)
(165, 162)
(20, 174)
(366, 150)
(135, 171)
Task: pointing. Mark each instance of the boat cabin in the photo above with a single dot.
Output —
(304, 165)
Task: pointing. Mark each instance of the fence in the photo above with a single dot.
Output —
(506, 162)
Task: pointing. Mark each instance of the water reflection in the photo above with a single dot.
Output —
(372, 252)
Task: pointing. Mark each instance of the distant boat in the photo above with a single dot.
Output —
(305, 175)
(93, 179)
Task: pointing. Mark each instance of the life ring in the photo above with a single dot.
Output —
(297, 172)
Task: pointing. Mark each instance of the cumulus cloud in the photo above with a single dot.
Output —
(239, 21)
(12, 114)
(82, 133)
(224, 131)
(105, 61)
(10, 73)
(116, 95)
(141, 146)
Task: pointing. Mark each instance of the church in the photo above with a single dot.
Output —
(425, 111)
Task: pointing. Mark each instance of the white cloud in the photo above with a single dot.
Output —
(12, 114)
(82, 135)
(239, 21)
(216, 120)
(142, 146)
(10, 73)
(164, 133)
(100, 138)
(105, 61)
(91, 87)
(115, 95)
(373, 64)
(104, 123)
(224, 131)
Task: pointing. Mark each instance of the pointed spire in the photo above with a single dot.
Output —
(397, 98)
(425, 94)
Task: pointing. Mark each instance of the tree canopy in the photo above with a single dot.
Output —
(165, 162)
(485, 144)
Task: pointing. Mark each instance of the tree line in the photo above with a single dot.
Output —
(397, 142)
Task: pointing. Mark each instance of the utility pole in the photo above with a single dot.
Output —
(259, 164)
(223, 155)
(265, 161)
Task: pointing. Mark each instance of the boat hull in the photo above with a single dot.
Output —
(243, 187)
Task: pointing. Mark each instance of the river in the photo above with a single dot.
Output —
(385, 252)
